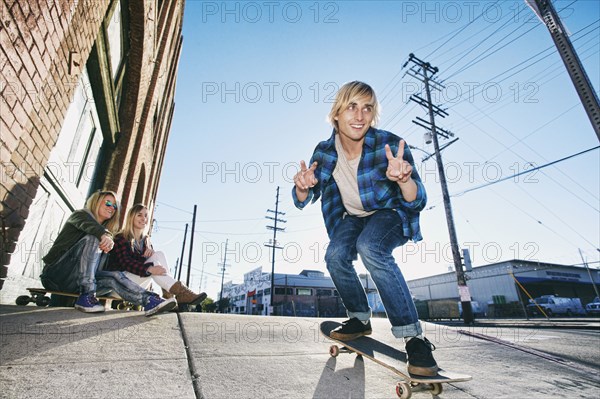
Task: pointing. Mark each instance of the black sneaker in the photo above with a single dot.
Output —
(420, 360)
(351, 329)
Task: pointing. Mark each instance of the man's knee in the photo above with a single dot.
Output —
(334, 254)
(339, 255)
(367, 247)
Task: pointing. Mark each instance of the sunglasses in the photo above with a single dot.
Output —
(109, 203)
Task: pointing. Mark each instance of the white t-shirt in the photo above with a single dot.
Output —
(346, 177)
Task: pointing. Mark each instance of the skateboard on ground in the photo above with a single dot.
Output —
(38, 296)
(392, 359)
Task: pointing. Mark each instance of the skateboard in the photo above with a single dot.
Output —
(38, 296)
(392, 359)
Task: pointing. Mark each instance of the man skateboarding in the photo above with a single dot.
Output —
(371, 196)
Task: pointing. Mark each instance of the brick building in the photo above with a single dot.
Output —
(308, 294)
(87, 99)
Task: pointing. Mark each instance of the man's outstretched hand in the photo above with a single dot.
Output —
(398, 169)
(305, 179)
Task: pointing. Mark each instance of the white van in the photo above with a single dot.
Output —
(554, 305)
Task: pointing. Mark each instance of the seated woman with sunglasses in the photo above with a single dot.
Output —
(133, 254)
(72, 264)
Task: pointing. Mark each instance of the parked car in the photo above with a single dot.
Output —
(554, 305)
(593, 307)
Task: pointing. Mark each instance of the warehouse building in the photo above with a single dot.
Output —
(503, 289)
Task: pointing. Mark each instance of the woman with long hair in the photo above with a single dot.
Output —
(133, 254)
(73, 264)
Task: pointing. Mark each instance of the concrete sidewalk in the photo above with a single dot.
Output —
(62, 353)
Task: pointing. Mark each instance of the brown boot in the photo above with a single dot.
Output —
(185, 296)
(166, 294)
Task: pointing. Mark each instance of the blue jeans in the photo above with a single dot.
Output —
(373, 237)
(77, 271)
(117, 281)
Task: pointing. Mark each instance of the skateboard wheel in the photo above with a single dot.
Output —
(23, 300)
(403, 390)
(436, 389)
(334, 350)
(42, 301)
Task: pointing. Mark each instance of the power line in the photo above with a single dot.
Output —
(525, 172)
(473, 48)
(547, 50)
(457, 33)
(171, 206)
(509, 148)
(470, 121)
(482, 56)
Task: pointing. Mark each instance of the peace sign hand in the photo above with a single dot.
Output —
(305, 179)
(398, 169)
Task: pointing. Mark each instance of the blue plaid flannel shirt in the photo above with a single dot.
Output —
(376, 191)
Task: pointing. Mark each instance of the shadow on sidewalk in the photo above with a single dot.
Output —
(29, 332)
(345, 383)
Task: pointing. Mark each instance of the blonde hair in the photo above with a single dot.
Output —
(127, 230)
(96, 200)
(349, 92)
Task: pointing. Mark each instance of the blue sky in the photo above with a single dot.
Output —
(256, 81)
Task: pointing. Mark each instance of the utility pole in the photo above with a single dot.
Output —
(223, 265)
(187, 281)
(202, 275)
(182, 251)
(589, 99)
(273, 243)
(589, 273)
(424, 72)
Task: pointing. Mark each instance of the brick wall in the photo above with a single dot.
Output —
(152, 58)
(44, 46)
(37, 40)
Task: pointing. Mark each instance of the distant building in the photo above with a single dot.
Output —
(499, 289)
(87, 98)
(503, 289)
(309, 293)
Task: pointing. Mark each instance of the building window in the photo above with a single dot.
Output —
(283, 291)
(304, 291)
(114, 33)
(108, 65)
(324, 292)
(267, 291)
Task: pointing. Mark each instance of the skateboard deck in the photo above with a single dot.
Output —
(392, 359)
(38, 296)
